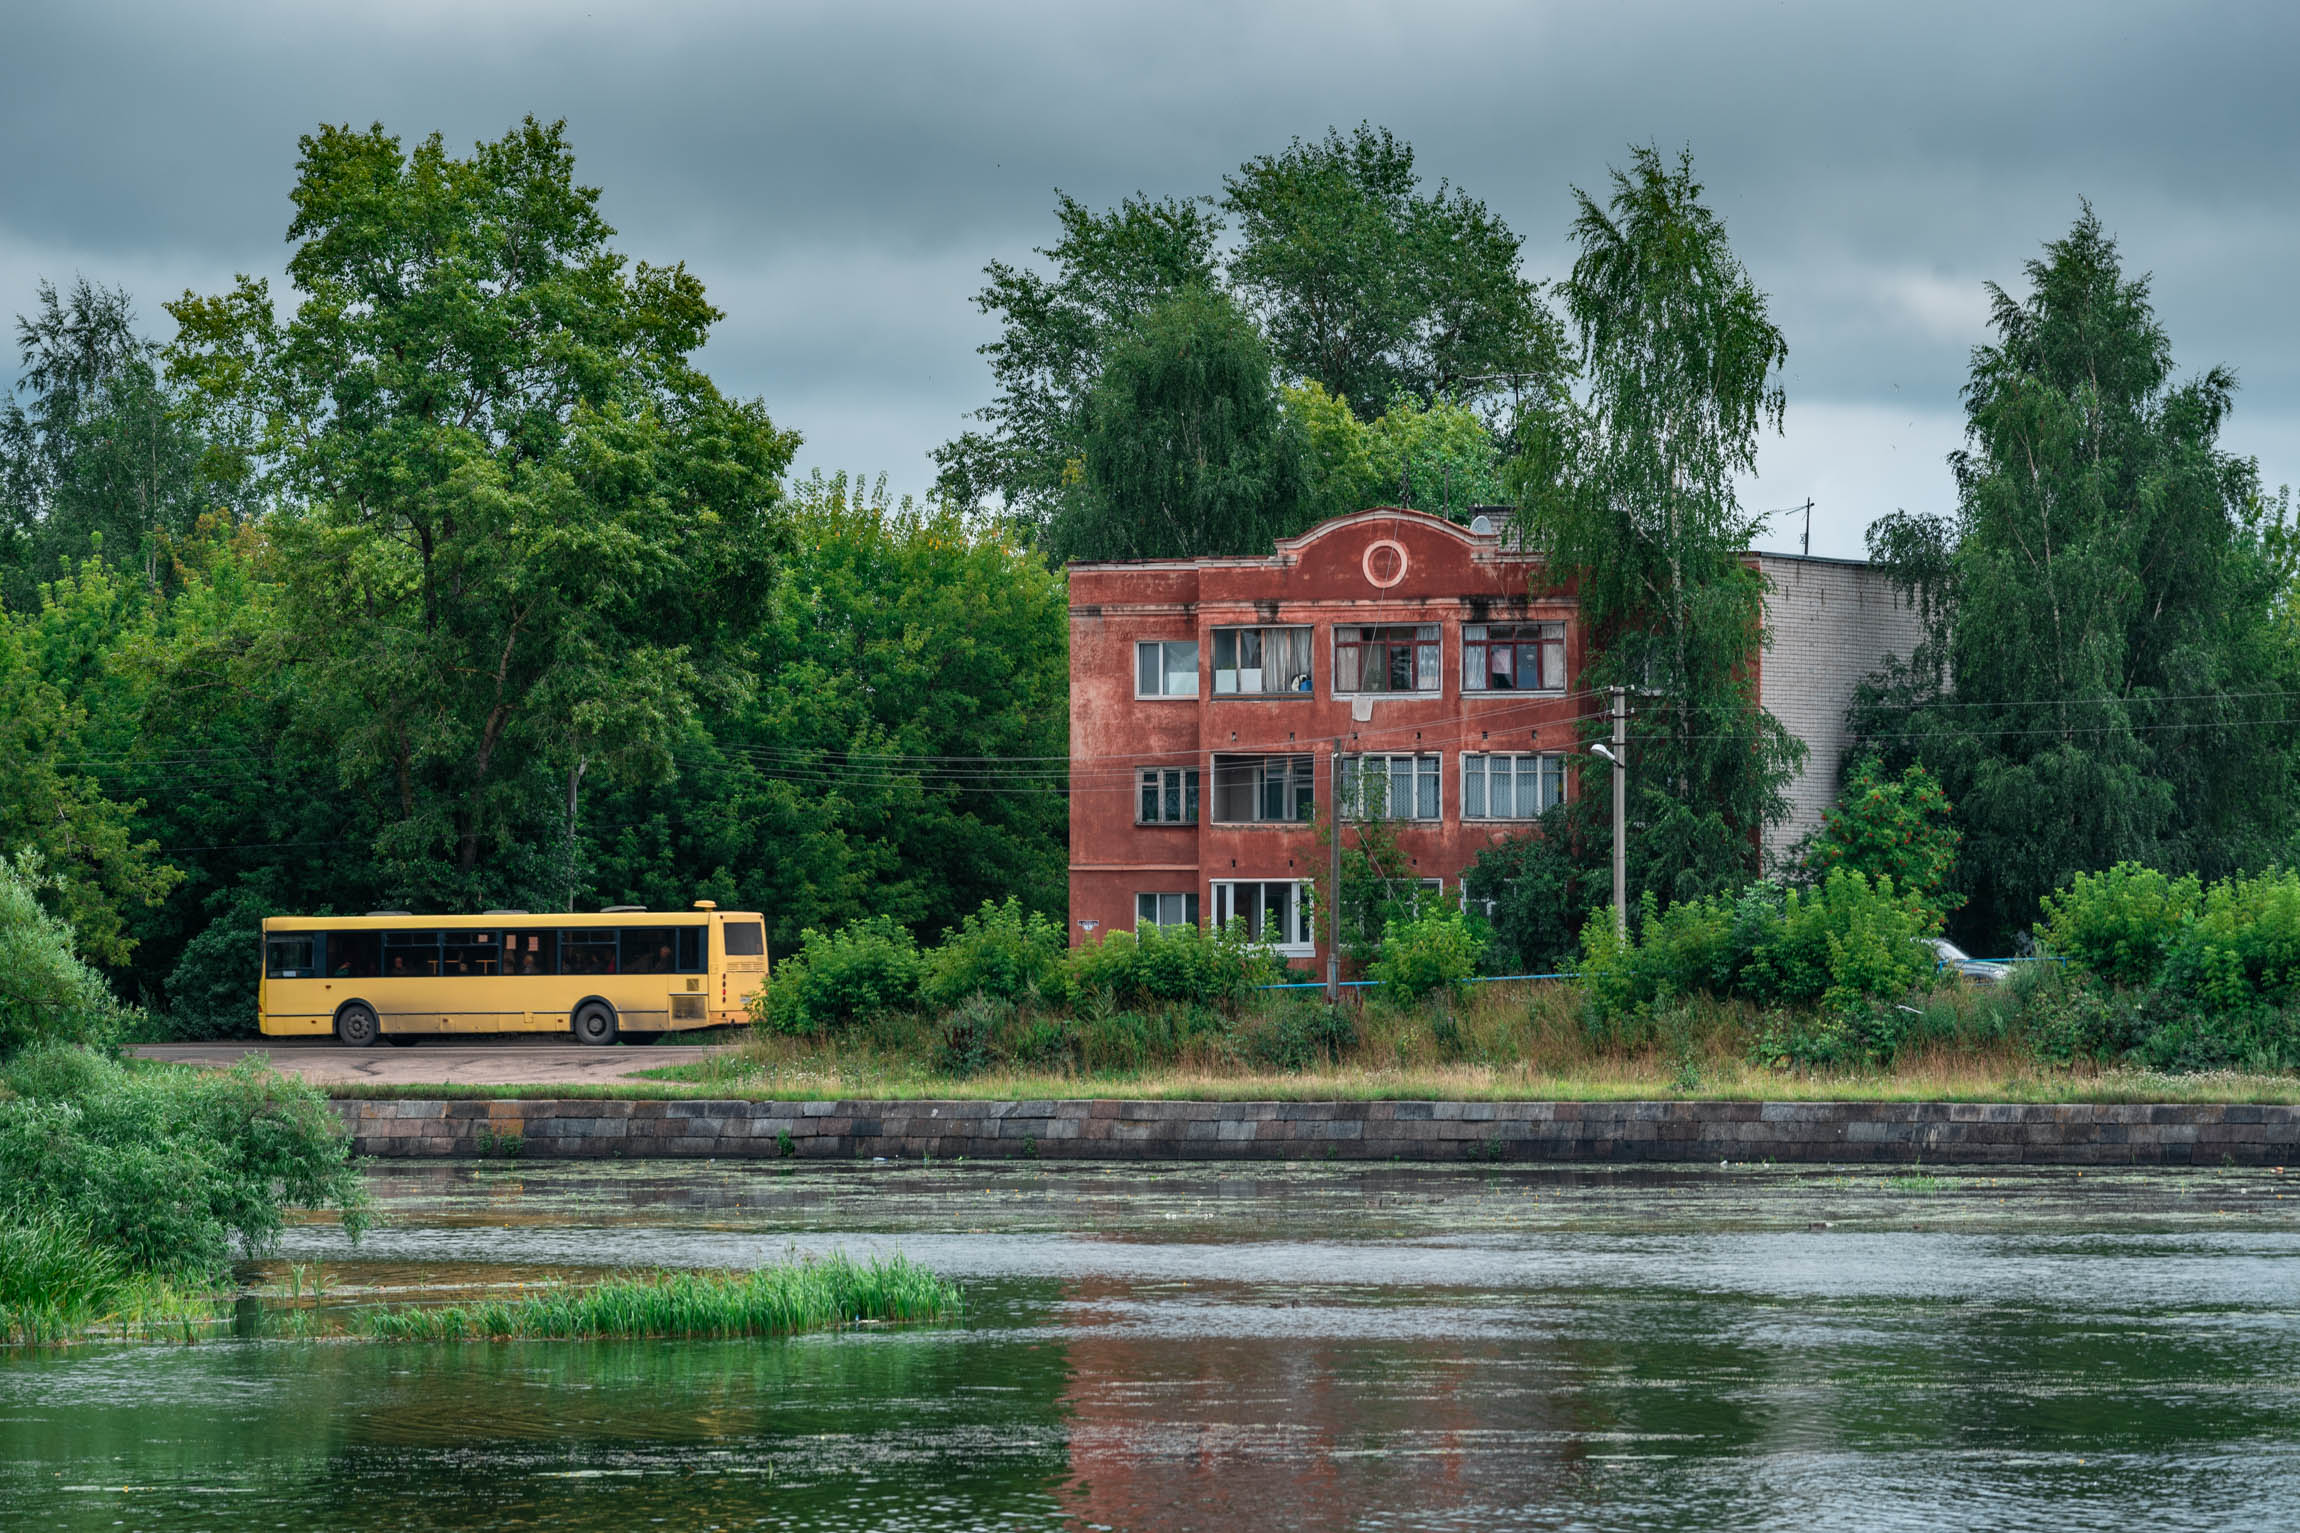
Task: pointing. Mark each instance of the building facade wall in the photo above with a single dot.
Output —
(1375, 568)
(1832, 623)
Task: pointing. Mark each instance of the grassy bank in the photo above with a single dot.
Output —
(781, 1300)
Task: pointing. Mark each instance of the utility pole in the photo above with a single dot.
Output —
(1808, 526)
(1620, 813)
(1334, 875)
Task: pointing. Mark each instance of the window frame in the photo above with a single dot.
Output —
(1185, 791)
(1548, 765)
(1165, 670)
(1550, 639)
(1309, 645)
(1156, 897)
(1298, 786)
(1428, 768)
(1301, 932)
(1422, 637)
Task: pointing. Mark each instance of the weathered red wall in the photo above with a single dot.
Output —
(1451, 577)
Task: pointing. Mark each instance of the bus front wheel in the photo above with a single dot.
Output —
(356, 1026)
(594, 1023)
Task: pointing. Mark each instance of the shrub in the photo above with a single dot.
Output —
(839, 978)
(1001, 951)
(1860, 1034)
(46, 993)
(53, 1278)
(1172, 964)
(2241, 947)
(969, 1036)
(169, 1168)
(1294, 1035)
(1844, 944)
(2121, 924)
(1435, 949)
(1895, 828)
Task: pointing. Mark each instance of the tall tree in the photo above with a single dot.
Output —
(1442, 458)
(1109, 269)
(1373, 288)
(100, 459)
(515, 525)
(1629, 494)
(1187, 450)
(2103, 672)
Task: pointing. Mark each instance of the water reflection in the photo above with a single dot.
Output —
(1215, 1350)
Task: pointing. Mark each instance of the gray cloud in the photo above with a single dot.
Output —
(839, 173)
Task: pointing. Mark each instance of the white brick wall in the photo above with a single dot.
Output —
(1833, 621)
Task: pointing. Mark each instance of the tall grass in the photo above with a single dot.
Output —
(780, 1300)
(54, 1281)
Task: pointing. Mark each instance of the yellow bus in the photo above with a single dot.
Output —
(622, 973)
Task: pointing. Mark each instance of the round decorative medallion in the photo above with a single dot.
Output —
(1385, 562)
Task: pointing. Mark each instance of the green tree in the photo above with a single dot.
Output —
(101, 458)
(1109, 269)
(1372, 288)
(1442, 458)
(1186, 449)
(1629, 494)
(1890, 827)
(515, 526)
(2100, 676)
(903, 752)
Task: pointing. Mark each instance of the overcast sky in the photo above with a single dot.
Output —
(838, 174)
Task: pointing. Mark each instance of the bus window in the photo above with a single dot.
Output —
(291, 957)
(691, 950)
(408, 955)
(472, 953)
(589, 951)
(744, 939)
(530, 953)
(647, 950)
(355, 955)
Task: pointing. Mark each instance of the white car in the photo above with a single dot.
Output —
(1980, 971)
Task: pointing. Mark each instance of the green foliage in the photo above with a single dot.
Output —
(1868, 1034)
(1891, 828)
(969, 1033)
(1372, 288)
(2241, 948)
(2101, 675)
(516, 527)
(904, 647)
(1294, 1034)
(1440, 458)
(1539, 893)
(170, 1169)
(47, 995)
(838, 978)
(2121, 924)
(1185, 449)
(1169, 964)
(53, 1279)
(782, 1300)
(1436, 950)
(1631, 496)
(1842, 946)
(1002, 951)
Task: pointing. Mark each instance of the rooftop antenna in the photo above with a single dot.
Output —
(1808, 526)
(1406, 487)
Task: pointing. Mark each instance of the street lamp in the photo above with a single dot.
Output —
(1617, 752)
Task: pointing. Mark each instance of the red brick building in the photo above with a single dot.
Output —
(1207, 697)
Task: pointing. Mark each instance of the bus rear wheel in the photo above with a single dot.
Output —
(594, 1023)
(356, 1026)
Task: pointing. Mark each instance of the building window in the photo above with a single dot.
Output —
(1168, 796)
(1166, 668)
(1254, 790)
(1513, 657)
(1276, 912)
(1510, 787)
(1165, 910)
(1261, 661)
(1402, 658)
(1390, 787)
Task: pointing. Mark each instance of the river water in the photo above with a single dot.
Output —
(1216, 1348)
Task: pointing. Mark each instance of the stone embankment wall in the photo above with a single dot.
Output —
(1934, 1132)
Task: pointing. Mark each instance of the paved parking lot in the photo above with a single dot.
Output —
(504, 1062)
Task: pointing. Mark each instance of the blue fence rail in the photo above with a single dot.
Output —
(1503, 979)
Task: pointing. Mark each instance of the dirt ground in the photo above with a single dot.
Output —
(492, 1062)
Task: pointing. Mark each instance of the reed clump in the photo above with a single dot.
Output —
(785, 1299)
